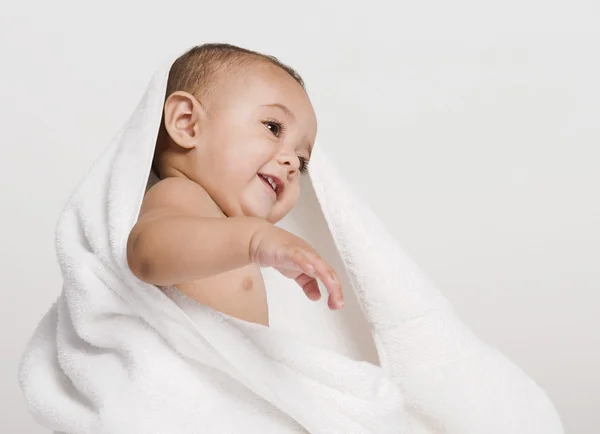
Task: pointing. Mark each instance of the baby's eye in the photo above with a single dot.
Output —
(303, 165)
(274, 127)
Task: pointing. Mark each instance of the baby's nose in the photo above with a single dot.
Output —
(290, 161)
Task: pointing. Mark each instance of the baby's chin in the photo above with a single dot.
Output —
(272, 214)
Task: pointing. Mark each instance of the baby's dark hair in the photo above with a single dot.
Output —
(196, 71)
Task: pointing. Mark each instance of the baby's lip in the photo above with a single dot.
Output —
(278, 182)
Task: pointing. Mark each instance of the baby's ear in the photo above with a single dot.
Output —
(182, 117)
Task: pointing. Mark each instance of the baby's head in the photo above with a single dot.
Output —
(241, 125)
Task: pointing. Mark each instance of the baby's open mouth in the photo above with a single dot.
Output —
(269, 181)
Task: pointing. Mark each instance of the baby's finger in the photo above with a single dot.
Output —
(307, 280)
(310, 286)
(326, 274)
(302, 262)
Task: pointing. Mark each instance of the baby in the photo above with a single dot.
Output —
(237, 133)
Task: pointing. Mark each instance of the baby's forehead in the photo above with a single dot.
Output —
(266, 85)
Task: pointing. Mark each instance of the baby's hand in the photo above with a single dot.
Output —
(296, 259)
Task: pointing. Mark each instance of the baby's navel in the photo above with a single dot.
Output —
(247, 283)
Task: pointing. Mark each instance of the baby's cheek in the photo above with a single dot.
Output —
(294, 191)
(279, 211)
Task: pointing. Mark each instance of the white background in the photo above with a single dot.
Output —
(472, 129)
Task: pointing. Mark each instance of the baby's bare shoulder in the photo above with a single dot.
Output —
(178, 196)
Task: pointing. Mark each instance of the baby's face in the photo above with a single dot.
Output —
(255, 143)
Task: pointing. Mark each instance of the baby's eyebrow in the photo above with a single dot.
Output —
(286, 110)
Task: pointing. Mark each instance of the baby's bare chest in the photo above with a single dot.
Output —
(239, 293)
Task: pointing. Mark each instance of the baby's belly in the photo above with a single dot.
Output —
(239, 293)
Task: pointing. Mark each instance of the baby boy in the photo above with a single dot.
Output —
(237, 133)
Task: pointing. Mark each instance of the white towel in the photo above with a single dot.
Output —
(115, 355)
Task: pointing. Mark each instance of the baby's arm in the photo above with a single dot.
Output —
(181, 236)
